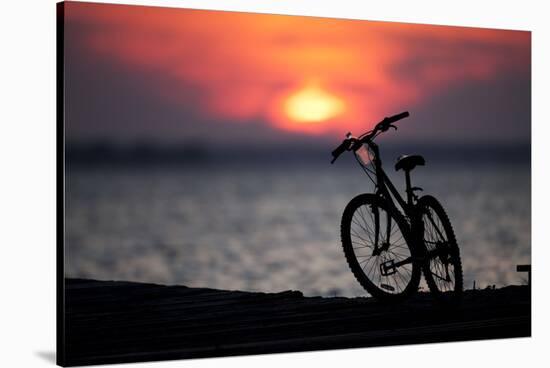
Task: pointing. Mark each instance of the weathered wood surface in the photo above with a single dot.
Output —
(109, 322)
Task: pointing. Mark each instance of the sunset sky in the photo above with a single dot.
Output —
(153, 74)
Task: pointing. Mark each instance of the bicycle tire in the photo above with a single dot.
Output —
(435, 268)
(404, 283)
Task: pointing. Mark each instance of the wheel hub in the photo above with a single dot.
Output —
(442, 251)
(382, 248)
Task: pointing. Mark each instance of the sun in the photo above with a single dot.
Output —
(312, 104)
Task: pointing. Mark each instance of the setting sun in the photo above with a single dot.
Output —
(313, 105)
(333, 76)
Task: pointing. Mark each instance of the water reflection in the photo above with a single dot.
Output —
(273, 228)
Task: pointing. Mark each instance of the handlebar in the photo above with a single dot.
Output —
(339, 150)
(351, 143)
(395, 118)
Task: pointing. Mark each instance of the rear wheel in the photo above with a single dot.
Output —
(442, 265)
(376, 246)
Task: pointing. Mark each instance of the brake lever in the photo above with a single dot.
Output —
(392, 126)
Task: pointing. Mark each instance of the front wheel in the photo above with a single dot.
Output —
(442, 265)
(375, 241)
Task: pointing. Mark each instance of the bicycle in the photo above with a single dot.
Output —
(387, 248)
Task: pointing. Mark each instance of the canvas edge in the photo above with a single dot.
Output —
(60, 185)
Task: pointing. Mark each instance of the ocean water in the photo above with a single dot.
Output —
(274, 227)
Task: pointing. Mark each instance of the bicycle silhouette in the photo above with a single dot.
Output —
(387, 249)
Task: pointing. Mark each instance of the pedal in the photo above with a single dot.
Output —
(387, 287)
(388, 268)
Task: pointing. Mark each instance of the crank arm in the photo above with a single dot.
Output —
(403, 262)
(390, 267)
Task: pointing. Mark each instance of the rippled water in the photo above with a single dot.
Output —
(273, 228)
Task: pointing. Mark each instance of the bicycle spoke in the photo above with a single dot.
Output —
(364, 229)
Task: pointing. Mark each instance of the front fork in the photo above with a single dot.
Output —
(382, 243)
(379, 245)
(416, 235)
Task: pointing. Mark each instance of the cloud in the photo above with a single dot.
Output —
(240, 68)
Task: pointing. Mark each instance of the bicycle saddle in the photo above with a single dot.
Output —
(409, 162)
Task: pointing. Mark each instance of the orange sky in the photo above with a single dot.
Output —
(298, 74)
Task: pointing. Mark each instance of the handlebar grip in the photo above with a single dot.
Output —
(393, 119)
(339, 150)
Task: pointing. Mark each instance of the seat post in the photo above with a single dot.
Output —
(408, 186)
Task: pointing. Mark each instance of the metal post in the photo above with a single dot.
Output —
(525, 268)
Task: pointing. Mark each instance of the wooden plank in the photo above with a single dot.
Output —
(111, 322)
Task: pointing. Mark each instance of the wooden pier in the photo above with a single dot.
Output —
(108, 322)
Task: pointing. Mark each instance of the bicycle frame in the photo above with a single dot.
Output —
(386, 189)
